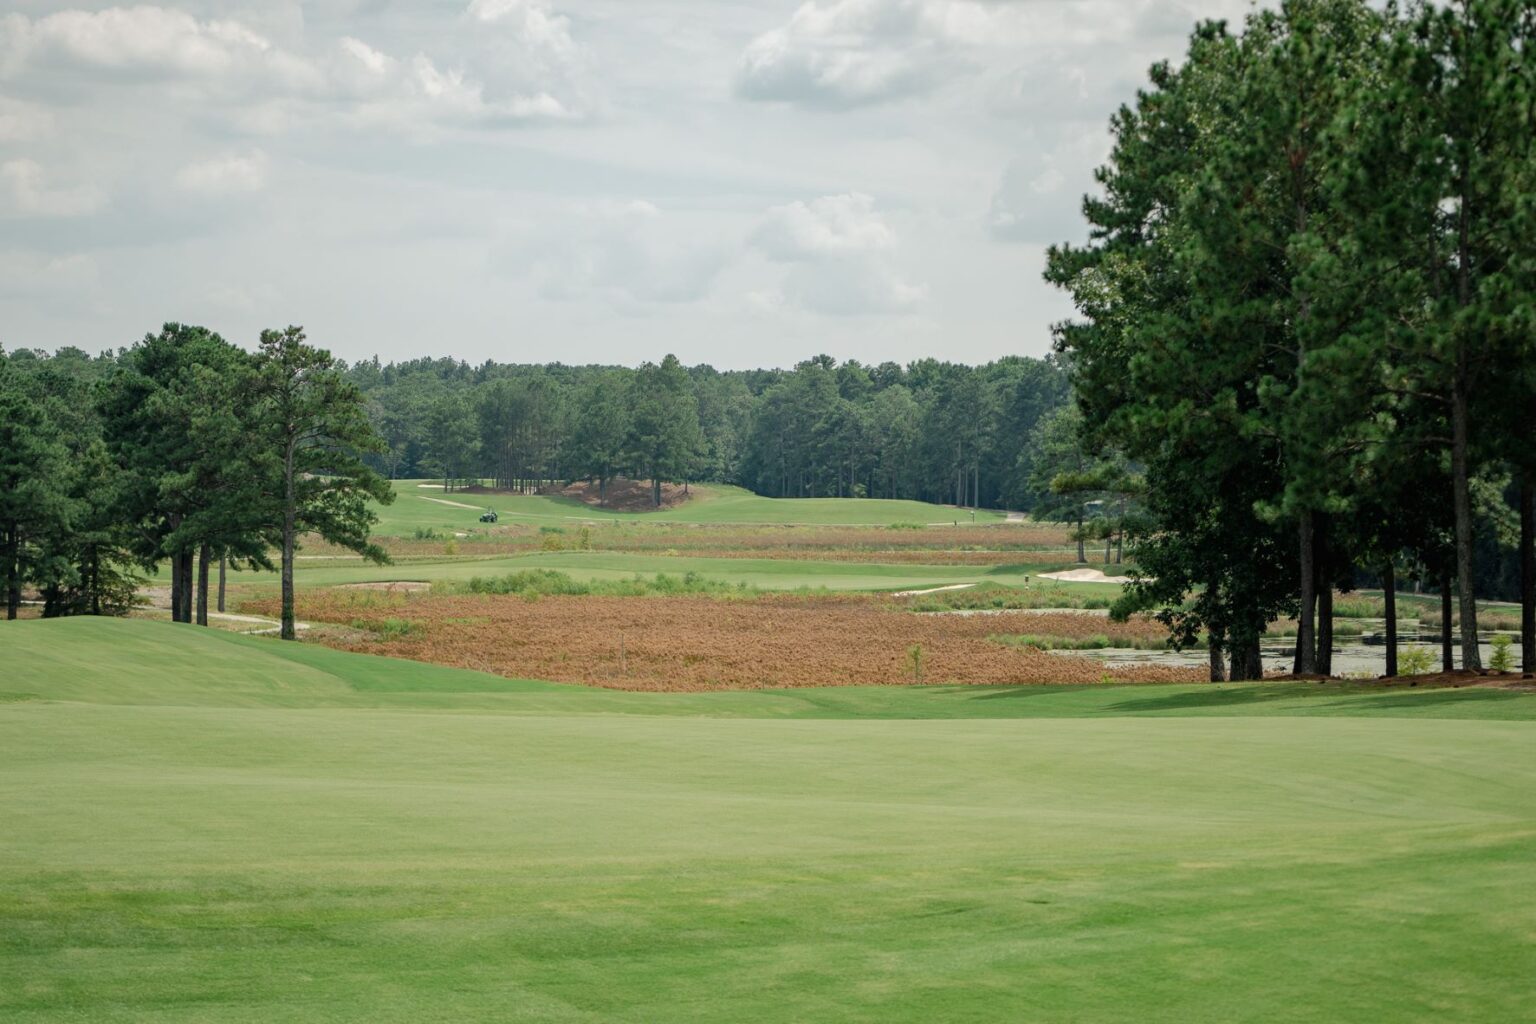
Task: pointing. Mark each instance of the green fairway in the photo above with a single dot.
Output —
(204, 827)
(766, 573)
(417, 507)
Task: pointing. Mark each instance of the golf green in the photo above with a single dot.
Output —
(201, 827)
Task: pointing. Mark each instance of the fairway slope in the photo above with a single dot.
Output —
(229, 830)
(135, 661)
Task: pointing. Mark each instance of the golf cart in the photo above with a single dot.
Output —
(488, 516)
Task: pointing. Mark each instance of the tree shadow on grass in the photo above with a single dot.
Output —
(1427, 699)
(1210, 697)
(1021, 690)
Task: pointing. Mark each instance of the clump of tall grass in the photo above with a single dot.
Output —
(390, 629)
(535, 583)
(1486, 621)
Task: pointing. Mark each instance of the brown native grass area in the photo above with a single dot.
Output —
(697, 643)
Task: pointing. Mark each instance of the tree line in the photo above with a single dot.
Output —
(932, 431)
(1307, 313)
(183, 449)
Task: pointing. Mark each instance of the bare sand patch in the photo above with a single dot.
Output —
(933, 590)
(445, 501)
(1081, 576)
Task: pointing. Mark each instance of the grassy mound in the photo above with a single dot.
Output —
(201, 827)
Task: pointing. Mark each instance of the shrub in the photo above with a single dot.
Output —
(1414, 661)
(1357, 607)
(390, 629)
(905, 526)
(426, 533)
(536, 583)
(1501, 660)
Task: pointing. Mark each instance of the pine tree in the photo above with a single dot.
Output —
(315, 427)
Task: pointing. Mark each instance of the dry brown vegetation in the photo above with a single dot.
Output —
(702, 644)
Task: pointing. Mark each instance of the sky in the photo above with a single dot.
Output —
(739, 182)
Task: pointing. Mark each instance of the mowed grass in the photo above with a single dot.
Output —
(201, 827)
(764, 573)
(416, 507)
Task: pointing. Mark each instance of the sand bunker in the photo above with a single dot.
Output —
(933, 590)
(445, 501)
(1081, 576)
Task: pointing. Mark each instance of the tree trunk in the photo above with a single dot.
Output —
(12, 571)
(1447, 658)
(1247, 658)
(1082, 555)
(1218, 665)
(1306, 643)
(1528, 571)
(1254, 655)
(188, 565)
(1389, 594)
(204, 556)
(175, 586)
(223, 563)
(1325, 630)
(290, 525)
(1462, 497)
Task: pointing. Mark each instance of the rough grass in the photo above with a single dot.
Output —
(691, 642)
(536, 583)
(218, 829)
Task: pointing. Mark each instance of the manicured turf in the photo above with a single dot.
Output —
(418, 507)
(201, 827)
(766, 573)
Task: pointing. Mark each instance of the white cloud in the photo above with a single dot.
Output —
(351, 79)
(852, 288)
(224, 175)
(373, 62)
(827, 226)
(31, 195)
(847, 53)
(840, 250)
(1039, 199)
(148, 42)
(23, 122)
(67, 279)
(532, 22)
(631, 254)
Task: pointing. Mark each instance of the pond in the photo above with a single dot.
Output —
(1352, 655)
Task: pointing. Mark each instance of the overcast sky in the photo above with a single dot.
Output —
(741, 182)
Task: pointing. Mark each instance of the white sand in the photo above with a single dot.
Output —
(1081, 576)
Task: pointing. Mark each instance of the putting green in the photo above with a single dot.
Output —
(200, 827)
